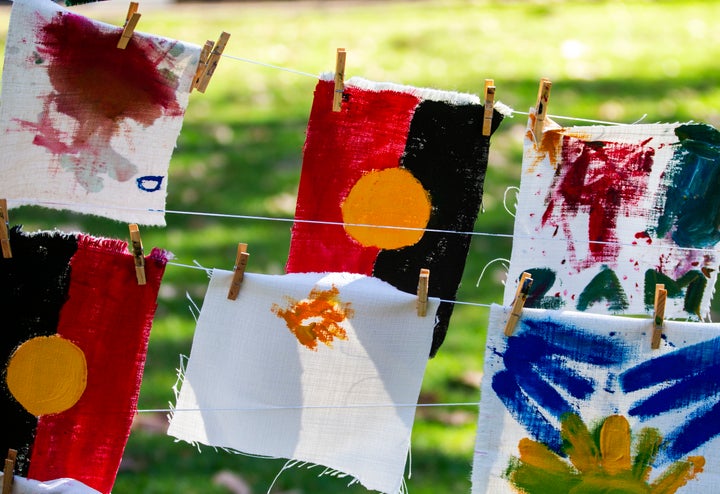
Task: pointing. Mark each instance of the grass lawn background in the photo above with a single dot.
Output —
(240, 153)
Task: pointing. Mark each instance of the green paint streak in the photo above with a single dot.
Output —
(691, 285)
(648, 445)
(604, 286)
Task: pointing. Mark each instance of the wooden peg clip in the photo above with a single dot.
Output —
(4, 230)
(241, 261)
(339, 79)
(131, 20)
(422, 292)
(212, 61)
(541, 109)
(138, 254)
(658, 315)
(202, 63)
(489, 104)
(521, 295)
(9, 471)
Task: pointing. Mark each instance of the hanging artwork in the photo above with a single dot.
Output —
(607, 212)
(75, 332)
(408, 162)
(84, 125)
(319, 368)
(577, 402)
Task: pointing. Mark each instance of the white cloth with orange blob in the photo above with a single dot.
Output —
(320, 368)
(84, 125)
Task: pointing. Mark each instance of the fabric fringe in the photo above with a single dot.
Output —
(440, 95)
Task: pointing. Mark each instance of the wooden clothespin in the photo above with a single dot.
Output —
(489, 104)
(131, 20)
(339, 79)
(422, 292)
(541, 108)
(4, 230)
(241, 261)
(659, 315)
(202, 63)
(212, 61)
(138, 254)
(9, 471)
(521, 295)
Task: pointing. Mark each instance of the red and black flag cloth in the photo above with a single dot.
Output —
(410, 162)
(75, 329)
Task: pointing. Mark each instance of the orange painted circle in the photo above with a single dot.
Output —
(391, 197)
(47, 374)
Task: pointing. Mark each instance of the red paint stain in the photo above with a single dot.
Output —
(98, 86)
(317, 318)
(604, 180)
(644, 235)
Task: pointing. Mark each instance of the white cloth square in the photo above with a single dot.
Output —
(251, 385)
(84, 125)
(607, 212)
(572, 400)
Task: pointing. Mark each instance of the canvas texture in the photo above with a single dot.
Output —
(605, 213)
(85, 126)
(578, 402)
(76, 328)
(21, 485)
(319, 368)
(407, 161)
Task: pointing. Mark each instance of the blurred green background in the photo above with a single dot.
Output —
(240, 153)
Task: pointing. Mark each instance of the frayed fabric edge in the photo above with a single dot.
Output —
(440, 95)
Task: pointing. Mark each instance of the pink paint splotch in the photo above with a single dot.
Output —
(603, 180)
(96, 87)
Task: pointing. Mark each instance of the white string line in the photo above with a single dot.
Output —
(306, 407)
(33, 202)
(315, 76)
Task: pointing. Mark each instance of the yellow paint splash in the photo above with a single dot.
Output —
(316, 318)
(599, 464)
(390, 197)
(47, 374)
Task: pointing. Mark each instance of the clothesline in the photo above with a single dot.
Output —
(304, 407)
(32, 202)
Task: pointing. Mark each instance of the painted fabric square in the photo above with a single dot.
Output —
(607, 212)
(308, 367)
(395, 156)
(577, 402)
(86, 126)
(75, 333)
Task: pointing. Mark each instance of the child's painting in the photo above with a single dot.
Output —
(391, 184)
(84, 125)
(73, 343)
(607, 212)
(577, 402)
(323, 369)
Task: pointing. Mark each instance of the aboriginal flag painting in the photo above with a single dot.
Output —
(392, 178)
(75, 332)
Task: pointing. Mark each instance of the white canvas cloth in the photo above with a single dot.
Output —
(251, 386)
(86, 126)
(595, 366)
(22, 485)
(640, 193)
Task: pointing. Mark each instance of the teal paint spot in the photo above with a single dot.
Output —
(691, 213)
(543, 281)
(604, 286)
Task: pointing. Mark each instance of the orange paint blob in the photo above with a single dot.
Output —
(47, 374)
(316, 318)
(390, 197)
(615, 444)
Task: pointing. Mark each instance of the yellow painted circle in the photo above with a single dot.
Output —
(47, 374)
(391, 197)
